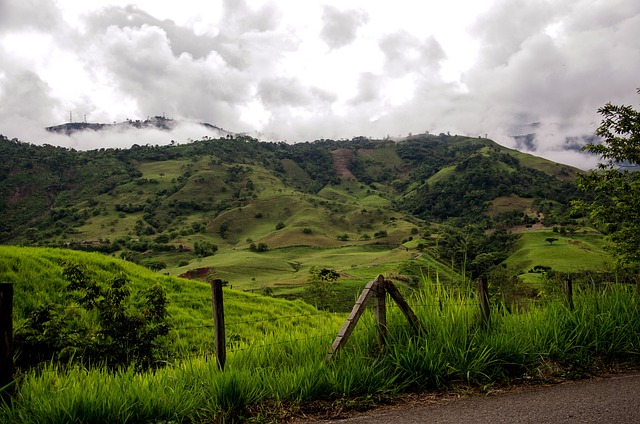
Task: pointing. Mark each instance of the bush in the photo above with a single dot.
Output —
(260, 247)
(104, 328)
(204, 248)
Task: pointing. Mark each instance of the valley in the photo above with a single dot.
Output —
(259, 215)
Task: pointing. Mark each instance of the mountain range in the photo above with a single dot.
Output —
(168, 207)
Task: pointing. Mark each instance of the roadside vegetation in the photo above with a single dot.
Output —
(123, 332)
(273, 375)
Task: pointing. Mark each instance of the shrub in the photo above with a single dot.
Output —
(103, 328)
(260, 247)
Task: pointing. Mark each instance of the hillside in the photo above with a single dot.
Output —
(37, 276)
(259, 214)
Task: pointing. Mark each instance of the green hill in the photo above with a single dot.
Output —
(37, 276)
(259, 214)
(568, 253)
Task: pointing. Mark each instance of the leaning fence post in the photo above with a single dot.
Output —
(483, 294)
(218, 322)
(394, 293)
(6, 336)
(568, 292)
(356, 312)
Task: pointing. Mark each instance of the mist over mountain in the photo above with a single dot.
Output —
(156, 123)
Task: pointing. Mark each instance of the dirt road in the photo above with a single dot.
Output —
(608, 400)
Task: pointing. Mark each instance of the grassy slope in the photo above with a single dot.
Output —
(37, 277)
(510, 203)
(577, 253)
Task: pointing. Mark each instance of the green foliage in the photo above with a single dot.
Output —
(543, 343)
(204, 248)
(49, 194)
(470, 249)
(322, 282)
(105, 327)
(260, 247)
(615, 184)
(477, 180)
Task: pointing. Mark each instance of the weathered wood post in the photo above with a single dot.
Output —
(483, 294)
(377, 288)
(348, 326)
(6, 337)
(381, 313)
(568, 292)
(218, 323)
(404, 307)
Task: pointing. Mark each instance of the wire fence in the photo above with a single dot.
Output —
(323, 333)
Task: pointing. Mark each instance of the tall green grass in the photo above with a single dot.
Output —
(288, 367)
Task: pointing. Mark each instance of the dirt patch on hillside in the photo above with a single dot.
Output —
(341, 159)
(196, 274)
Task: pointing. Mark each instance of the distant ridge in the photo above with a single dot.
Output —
(156, 122)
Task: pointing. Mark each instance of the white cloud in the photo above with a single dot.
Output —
(321, 69)
(340, 27)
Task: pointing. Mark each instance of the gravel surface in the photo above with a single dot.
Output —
(608, 400)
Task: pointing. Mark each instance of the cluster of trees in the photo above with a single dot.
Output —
(480, 179)
(103, 328)
(614, 186)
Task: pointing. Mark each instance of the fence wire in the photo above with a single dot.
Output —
(244, 345)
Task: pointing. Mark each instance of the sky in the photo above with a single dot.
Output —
(292, 70)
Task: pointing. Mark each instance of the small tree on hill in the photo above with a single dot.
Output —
(321, 285)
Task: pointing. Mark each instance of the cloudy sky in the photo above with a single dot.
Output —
(303, 70)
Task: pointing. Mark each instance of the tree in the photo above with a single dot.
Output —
(614, 185)
(321, 283)
(97, 322)
(260, 247)
(204, 248)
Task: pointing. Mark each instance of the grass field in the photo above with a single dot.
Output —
(579, 252)
(36, 274)
(271, 376)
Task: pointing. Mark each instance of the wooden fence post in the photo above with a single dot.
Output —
(381, 313)
(483, 294)
(378, 288)
(354, 316)
(568, 292)
(218, 322)
(404, 307)
(6, 337)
